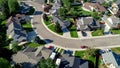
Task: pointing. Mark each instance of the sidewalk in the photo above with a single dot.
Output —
(66, 33)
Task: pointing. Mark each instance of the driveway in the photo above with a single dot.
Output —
(67, 42)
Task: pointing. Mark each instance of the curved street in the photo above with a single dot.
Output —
(66, 42)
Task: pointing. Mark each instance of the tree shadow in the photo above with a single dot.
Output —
(90, 64)
(5, 53)
(48, 40)
(38, 13)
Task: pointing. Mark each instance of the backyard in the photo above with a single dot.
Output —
(27, 26)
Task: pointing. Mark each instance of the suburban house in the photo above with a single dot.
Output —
(112, 21)
(88, 6)
(68, 61)
(31, 56)
(114, 8)
(15, 29)
(55, 7)
(87, 23)
(111, 59)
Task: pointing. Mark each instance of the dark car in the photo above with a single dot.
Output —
(83, 47)
(84, 33)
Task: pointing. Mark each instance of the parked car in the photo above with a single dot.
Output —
(84, 33)
(83, 46)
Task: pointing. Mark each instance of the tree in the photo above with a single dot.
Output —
(73, 13)
(66, 4)
(96, 15)
(58, 27)
(46, 63)
(62, 12)
(5, 9)
(45, 1)
(13, 6)
(15, 47)
(4, 63)
(45, 17)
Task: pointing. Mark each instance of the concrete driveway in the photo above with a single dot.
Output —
(67, 42)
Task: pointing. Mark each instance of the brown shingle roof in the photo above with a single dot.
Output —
(95, 5)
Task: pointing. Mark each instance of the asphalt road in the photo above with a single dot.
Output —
(70, 43)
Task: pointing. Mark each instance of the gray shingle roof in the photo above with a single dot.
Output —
(74, 62)
(111, 58)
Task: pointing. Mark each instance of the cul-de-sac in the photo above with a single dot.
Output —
(59, 33)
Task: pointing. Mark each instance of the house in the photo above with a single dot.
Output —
(114, 8)
(100, 1)
(15, 29)
(85, 23)
(62, 22)
(55, 7)
(31, 56)
(112, 21)
(111, 59)
(93, 6)
(68, 61)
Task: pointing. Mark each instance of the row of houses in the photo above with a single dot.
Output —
(33, 56)
(14, 28)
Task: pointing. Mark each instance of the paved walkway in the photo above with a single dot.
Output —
(69, 43)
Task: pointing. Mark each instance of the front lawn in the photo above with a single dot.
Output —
(52, 28)
(82, 55)
(116, 50)
(47, 22)
(73, 32)
(115, 31)
(97, 33)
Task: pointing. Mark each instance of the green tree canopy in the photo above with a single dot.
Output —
(46, 63)
(4, 7)
(4, 63)
(66, 4)
(62, 12)
(15, 47)
(13, 6)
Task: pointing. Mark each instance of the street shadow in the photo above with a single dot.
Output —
(48, 40)
(38, 12)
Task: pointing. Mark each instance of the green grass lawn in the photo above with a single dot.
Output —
(82, 55)
(34, 45)
(115, 31)
(27, 26)
(97, 33)
(47, 22)
(73, 32)
(52, 28)
(116, 50)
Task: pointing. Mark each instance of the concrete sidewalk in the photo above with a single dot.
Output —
(66, 33)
